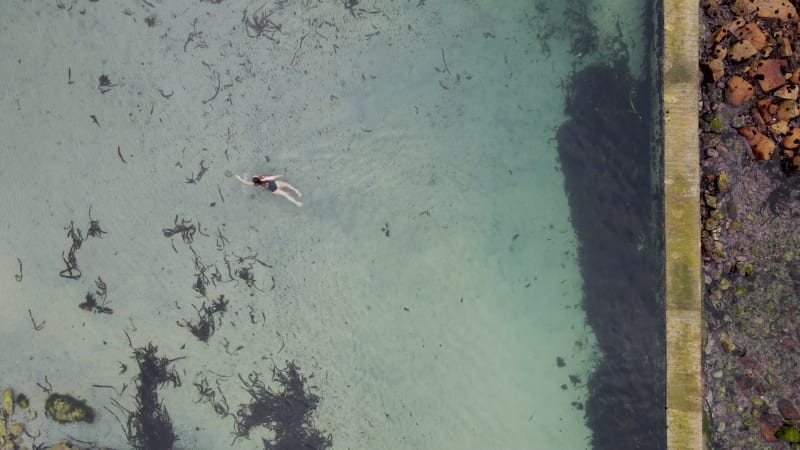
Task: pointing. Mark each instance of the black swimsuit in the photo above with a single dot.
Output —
(272, 186)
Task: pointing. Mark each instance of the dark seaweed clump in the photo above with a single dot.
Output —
(286, 413)
(205, 326)
(149, 427)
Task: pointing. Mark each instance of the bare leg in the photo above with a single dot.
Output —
(287, 197)
(282, 184)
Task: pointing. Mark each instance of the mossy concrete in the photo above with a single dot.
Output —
(682, 226)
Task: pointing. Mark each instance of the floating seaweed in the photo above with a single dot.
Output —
(94, 227)
(195, 179)
(90, 303)
(286, 413)
(104, 84)
(246, 274)
(260, 24)
(205, 327)
(72, 272)
(185, 228)
(242, 269)
(221, 239)
(149, 427)
(209, 395)
(203, 277)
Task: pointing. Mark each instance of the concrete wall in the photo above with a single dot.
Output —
(682, 225)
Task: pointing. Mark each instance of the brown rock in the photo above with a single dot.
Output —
(795, 78)
(719, 34)
(743, 7)
(742, 50)
(717, 69)
(788, 109)
(766, 108)
(725, 29)
(761, 146)
(769, 75)
(768, 432)
(787, 410)
(750, 134)
(780, 127)
(792, 140)
(763, 150)
(739, 90)
(778, 9)
(720, 51)
(753, 34)
(788, 92)
(786, 46)
(796, 161)
(769, 424)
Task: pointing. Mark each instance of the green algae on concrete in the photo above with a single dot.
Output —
(682, 232)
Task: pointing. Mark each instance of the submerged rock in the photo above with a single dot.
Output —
(65, 408)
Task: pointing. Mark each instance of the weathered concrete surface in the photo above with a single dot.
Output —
(682, 216)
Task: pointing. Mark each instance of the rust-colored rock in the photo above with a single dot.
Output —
(786, 46)
(743, 7)
(788, 109)
(753, 34)
(769, 75)
(720, 51)
(725, 29)
(776, 9)
(739, 90)
(742, 50)
(766, 109)
(795, 77)
(792, 140)
(768, 432)
(780, 127)
(761, 146)
(769, 424)
(788, 92)
(716, 68)
(749, 133)
(763, 150)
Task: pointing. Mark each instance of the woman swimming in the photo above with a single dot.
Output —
(273, 185)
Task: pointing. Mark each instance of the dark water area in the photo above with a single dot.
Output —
(607, 148)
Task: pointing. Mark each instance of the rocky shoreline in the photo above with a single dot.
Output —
(750, 144)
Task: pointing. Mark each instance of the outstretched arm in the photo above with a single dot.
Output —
(270, 178)
(245, 181)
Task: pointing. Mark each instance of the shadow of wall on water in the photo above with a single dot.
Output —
(606, 152)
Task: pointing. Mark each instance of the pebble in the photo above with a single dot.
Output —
(717, 374)
(787, 410)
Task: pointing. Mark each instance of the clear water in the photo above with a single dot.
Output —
(430, 290)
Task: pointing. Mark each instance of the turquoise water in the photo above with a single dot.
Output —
(429, 292)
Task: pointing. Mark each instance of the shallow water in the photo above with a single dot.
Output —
(430, 289)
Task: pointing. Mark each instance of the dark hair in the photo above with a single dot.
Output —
(257, 180)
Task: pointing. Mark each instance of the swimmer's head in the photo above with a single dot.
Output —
(257, 180)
